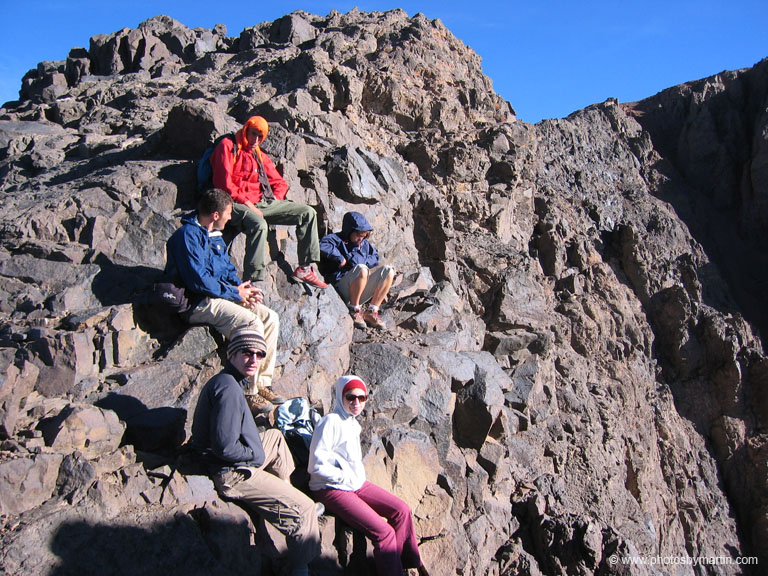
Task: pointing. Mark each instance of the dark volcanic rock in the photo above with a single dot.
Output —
(572, 372)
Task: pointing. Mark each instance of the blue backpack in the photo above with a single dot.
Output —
(204, 168)
(296, 419)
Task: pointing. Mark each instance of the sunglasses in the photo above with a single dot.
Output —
(351, 398)
(251, 353)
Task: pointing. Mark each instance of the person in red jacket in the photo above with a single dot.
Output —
(258, 190)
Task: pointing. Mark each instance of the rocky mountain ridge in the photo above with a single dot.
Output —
(574, 375)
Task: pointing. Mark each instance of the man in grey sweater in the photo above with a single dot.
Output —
(245, 466)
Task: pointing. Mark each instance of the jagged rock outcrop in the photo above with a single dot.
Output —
(574, 373)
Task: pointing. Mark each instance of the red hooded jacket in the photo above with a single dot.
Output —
(239, 176)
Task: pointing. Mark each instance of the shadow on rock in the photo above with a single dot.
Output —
(213, 546)
(157, 430)
(116, 284)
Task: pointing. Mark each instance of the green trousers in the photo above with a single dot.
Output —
(281, 212)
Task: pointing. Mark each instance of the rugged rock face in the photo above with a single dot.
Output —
(573, 373)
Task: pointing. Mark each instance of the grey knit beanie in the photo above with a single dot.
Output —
(246, 339)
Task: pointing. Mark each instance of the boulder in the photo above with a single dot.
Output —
(193, 125)
(15, 385)
(34, 478)
(478, 405)
(78, 65)
(293, 28)
(86, 429)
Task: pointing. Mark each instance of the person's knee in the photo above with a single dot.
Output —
(303, 215)
(401, 511)
(254, 224)
(307, 509)
(251, 321)
(272, 319)
(308, 506)
(383, 533)
(274, 435)
(363, 271)
(308, 213)
(266, 318)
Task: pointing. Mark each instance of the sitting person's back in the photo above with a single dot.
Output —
(192, 259)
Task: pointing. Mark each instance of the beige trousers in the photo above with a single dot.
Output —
(226, 316)
(272, 497)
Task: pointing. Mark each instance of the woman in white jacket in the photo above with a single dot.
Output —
(337, 479)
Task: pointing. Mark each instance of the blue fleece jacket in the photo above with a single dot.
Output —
(200, 261)
(336, 247)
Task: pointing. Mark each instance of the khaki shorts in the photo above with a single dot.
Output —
(376, 276)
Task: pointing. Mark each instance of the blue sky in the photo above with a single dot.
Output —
(547, 58)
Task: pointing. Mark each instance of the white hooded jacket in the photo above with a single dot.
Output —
(335, 457)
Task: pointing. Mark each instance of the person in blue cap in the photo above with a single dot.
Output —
(351, 264)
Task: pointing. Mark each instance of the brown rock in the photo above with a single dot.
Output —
(34, 478)
(87, 429)
(14, 387)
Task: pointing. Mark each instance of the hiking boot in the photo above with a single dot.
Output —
(270, 396)
(307, 276)
(373, 319)
(358, 319)
(258, 404)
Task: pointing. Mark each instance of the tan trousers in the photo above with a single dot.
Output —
(272, 497)
(226, 316)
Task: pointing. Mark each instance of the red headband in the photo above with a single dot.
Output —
(353, 384)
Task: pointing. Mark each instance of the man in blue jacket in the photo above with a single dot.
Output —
(252, 468)
(351, 264)
(197, 257)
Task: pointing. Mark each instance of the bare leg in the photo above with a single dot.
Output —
(357, 286)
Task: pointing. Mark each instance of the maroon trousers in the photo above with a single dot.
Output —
(394, 541)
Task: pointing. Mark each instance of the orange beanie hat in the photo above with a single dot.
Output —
(256, 122)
